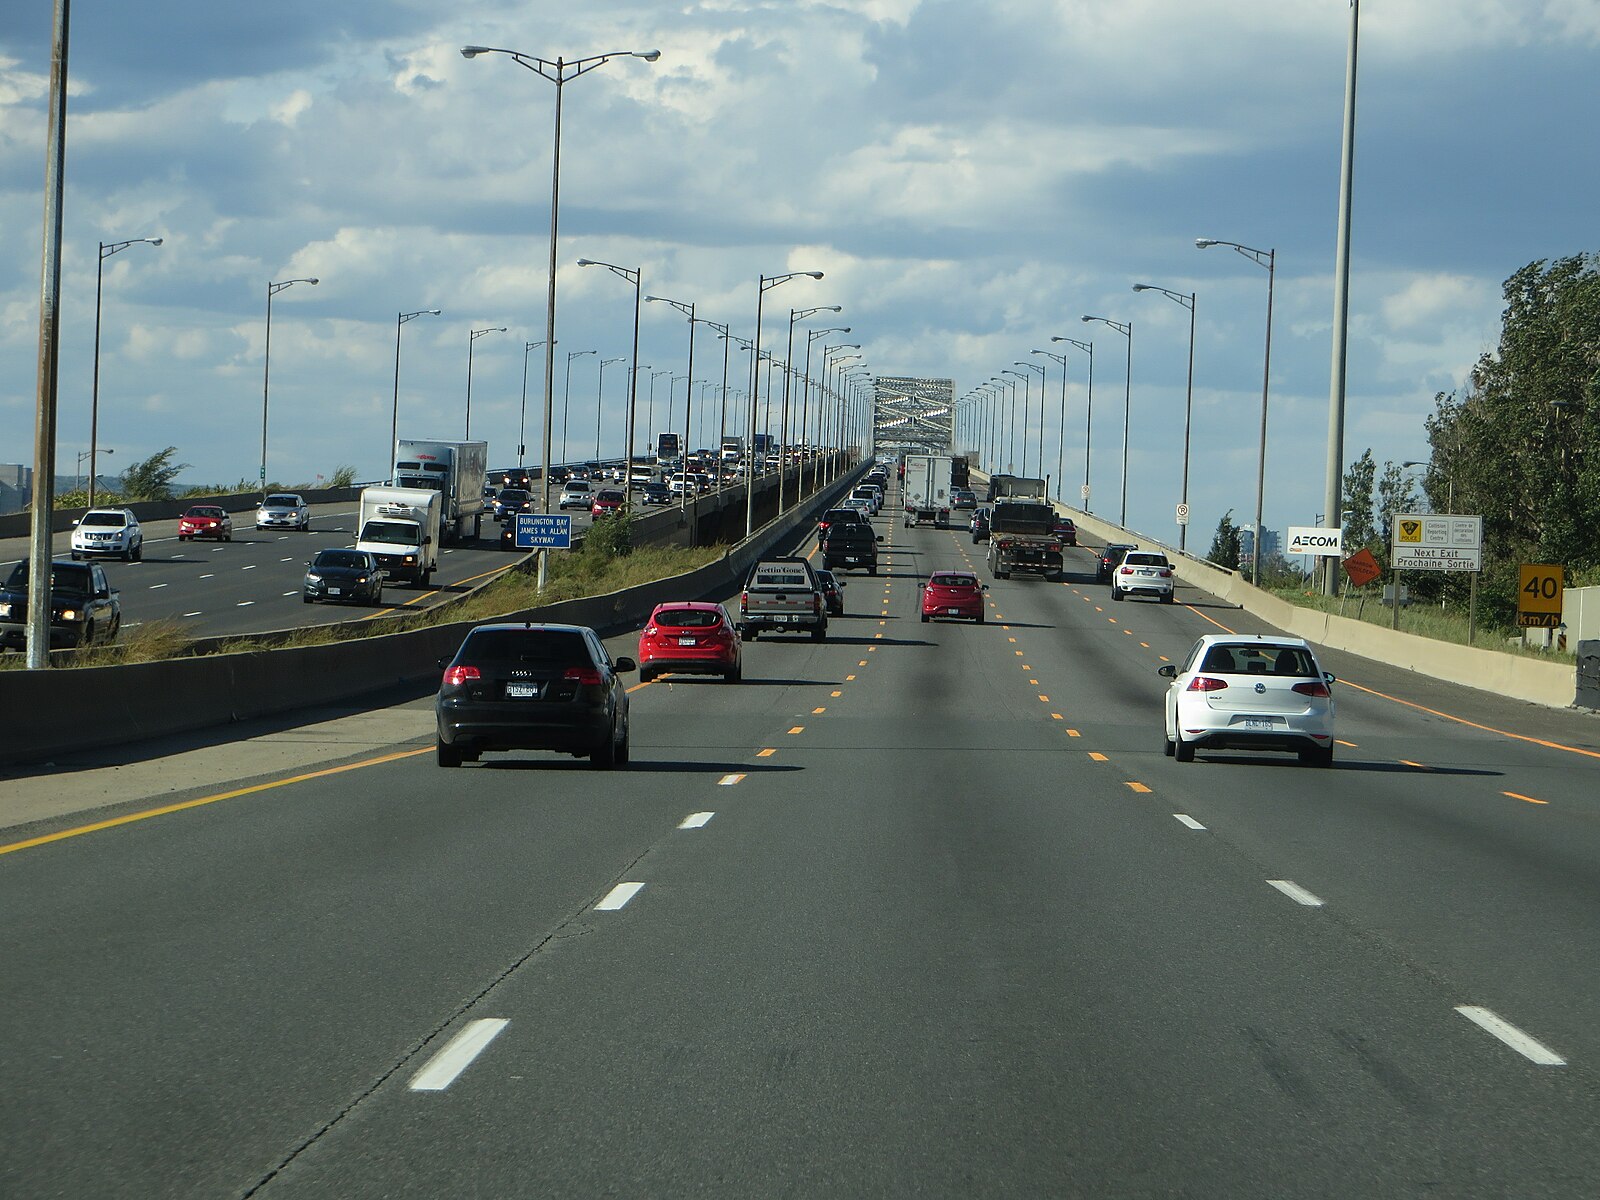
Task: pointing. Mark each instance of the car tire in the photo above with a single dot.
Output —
(819, 634)
(138, 551)
(750, 635)
(86, 638)
(604, 756)
(872, 570)
(1167, 599)
(227, 537)
(183, 537)
(734, 676)
(924, 618)
(447, 756)
(1183, 751)
(1166, 745)
(1116, 595)
(980, 618)
(1317, 756)
(305, 598)
(646, 675)
(74, 556)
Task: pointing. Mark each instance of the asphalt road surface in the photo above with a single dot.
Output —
(918, 911)
(252, 584)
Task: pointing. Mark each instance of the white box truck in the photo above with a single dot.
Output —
(401, 526)
(456, 470)
(927, 489)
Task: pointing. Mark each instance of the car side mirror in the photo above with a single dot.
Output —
(427, 541)
(74, 522)
(625, 664)
(985, 586)
(103, 594)
(1167, 672)
(880, 537)
(1327, 677)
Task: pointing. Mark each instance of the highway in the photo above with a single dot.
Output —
(919, 910)
(252, 584)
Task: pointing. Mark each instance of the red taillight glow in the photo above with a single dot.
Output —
(1127, 570)
(1315, 688)
(583, 675)
(1166, 572)
(456, 676)
(1205, 683)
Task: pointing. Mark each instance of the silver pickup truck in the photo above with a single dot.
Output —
(782, 594)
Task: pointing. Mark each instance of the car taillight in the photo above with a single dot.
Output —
(584, 675)
(744, 599)
(1166, 572)
(1127, 570)
(1205, 683)
(456, 676)
(816, 602)
(1315, 688)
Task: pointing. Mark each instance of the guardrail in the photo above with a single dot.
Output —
(58, 711)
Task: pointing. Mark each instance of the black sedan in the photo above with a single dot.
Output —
(832, 589)
(655, 493)
(512, 501)
(533, 687)
(979, 525)
(347, 576)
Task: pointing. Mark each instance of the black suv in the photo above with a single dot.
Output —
(533, 687)
(1110, 559)
(850, 545)
(851, 516)
(84, 606)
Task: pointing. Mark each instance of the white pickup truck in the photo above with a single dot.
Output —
(782, 594)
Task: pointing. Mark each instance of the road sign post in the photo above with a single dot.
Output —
(544, 531)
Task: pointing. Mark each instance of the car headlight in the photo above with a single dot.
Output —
(313, 578)
(361, 579)
(71, 614)
(5, 608)
(410, 558)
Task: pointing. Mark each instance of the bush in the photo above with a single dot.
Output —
(610, 536)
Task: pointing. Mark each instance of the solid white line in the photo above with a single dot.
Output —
(244, 604)
(729, 780)
(457, 1055)
(1529, 1048)
(618, 896)
(1189, 821)
(154, 586)
(696, 820)
(193, 614)
(291, 593)
(1296, 893)
(289, 559)
(251, 567)
(208, 577)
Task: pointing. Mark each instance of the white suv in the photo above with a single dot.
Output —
(576, 493)
(108, 531)
(1143, 573)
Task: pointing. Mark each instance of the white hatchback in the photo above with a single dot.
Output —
(1249, 692)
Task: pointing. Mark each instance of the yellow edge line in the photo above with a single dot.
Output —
(148, 813)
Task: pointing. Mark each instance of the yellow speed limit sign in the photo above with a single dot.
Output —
(1539, 595)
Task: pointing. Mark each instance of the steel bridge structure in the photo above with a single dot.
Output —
(913, 416)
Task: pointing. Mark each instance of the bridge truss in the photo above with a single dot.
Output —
(913, 416)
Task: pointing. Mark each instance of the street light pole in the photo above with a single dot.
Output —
(1126, 330)
(266, 372)
(1269, 260)
(107, 249)
(522, 418)
(722, 417)
(473, 336)
(1088, 411)
(765, 282)
(394, 418)
(1033, 367)
(631, 275)
(566, 406)
(1061, 423)
(795, 314)
(599, 401)
(1334, 483)
(1187, 301)
(557, 72)
(688, 396)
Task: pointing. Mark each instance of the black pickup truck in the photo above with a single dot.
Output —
(85, 608)
(847, 545)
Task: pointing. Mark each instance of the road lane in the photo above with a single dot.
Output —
(929, 941)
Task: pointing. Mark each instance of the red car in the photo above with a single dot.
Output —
(691, 637)
(605, 501)
(953, 594)
(205, 521)
(1066, 530)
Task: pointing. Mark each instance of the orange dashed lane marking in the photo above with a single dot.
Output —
(1137, 787)
(1096, 756)
(1520, 796)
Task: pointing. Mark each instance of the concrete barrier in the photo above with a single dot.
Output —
(60, 711)
(1549, 683)
(61, 519)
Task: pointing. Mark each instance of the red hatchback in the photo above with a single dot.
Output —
(206, 521)
(953, 594)
(691, 637)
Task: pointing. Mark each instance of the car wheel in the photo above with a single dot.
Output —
(1183, 751)
(227, 537)
(182, 537)
(1166, 745)
(604, 756)
(74, 556)
(1116, 595)
(646, 675)
(750, 634)
(306, 597)
(623, 753)
(1167, 599)
(820, 633)
(447, 756)
(1317, 756)
(86, 638)
(734, 676)
(872, 570)
(980, 618)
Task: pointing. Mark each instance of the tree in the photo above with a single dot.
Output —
(1359, 531)
(152, 478)
(1395, 495)
(1225, 545)
(610, 535)
(343, 477)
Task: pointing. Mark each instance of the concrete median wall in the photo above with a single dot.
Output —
(1549, 683)
(21, 524)
(59, 711)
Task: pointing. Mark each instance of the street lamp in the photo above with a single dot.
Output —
(805, 402)
(634, 433)
(107, 249)
(1269, 260)
(1088, 411)
(473, 336)
(795, 314)
(394, 419)
(1334, 482)
(1127, 396)
(1187, 301)
(1032, 367)
(87, 454)
(765, 283)
(566, 405)
(688, 395)
(1061, 423)
(266, 372)
(557, 72)
(650, 417)
(522, 417)
(631, 275)
(1027, 387)
(599, 401)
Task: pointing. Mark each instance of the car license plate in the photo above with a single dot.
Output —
(522, 691)
(686, 641)
(1258, 723)
(954, 612)
(783, 618)
(335, 592)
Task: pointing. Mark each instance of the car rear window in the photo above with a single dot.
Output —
(954, 581)
(540, 647)
(1144, 560)
(1256, 659)
(688, 618)
(781, 575)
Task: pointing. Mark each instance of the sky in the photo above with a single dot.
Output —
(971, 176)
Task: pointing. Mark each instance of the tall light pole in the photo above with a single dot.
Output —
(266, 372)
(1187, 300)
(1127, 397)
(1269, 260)
(688, 395)
(722, 417)
(89, 456)
(522, 418)
(650, 416)
(824, 392)
(1088, 412)
(765, 283)
(472, 337)
(394, 416)
(1332, 499)
(795, 314)
(558, 73)
(1027, 382)
(107, 249)
(566, 408)
(631, 275)
(599, 401)
(633, 432)
(805, 400)
(1033, 367)
(1061, 422)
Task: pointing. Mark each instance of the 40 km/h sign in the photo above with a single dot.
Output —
(1539, 596)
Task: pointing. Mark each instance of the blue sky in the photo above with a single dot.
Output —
(970, 177)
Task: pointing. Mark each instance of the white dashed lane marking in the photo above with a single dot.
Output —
(1530, 1048)
(697, 820)
(458, 1054)
(618, 896)
(1296, 893)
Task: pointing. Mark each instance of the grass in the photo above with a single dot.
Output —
(571, 576)
(1424, 620)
